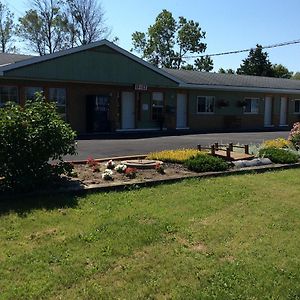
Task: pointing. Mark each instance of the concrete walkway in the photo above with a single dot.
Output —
(121, 146)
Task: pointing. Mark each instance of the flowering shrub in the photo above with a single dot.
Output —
(160, 168)
(110, 164)
(91, 162)
(130, 172)
(174, 156)
(121, 168)
(277, 143)
(107, 174)
(294, 136)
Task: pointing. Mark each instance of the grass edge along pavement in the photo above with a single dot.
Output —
(218, 238)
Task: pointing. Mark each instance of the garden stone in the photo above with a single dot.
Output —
(252, 163)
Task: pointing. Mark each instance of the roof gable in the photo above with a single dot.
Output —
(99, 62)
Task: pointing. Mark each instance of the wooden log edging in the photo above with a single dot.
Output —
(77, 162)
(84, 190)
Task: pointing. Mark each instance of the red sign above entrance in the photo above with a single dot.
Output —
(140, 87)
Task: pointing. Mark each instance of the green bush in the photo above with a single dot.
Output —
(30, 137)
(280, 156)
(206, 163)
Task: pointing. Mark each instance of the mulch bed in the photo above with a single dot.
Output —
(87, 176)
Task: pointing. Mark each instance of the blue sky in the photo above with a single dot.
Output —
(229, 24)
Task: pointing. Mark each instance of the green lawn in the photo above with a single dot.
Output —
(234, 237)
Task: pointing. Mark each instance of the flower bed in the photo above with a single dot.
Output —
(98, 173)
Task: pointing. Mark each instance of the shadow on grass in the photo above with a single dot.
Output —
(49, 198)
(24, 205)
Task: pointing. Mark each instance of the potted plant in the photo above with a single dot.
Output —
(242, 103)
(222, 103)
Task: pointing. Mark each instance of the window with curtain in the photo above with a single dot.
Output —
(205, 104)
(251, 105)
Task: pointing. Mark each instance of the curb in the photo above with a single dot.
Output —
(75, 162)
(80, 191)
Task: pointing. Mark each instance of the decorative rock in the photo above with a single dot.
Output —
(252, 163)
(142, 163)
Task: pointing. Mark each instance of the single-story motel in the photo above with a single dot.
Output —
(100, 87)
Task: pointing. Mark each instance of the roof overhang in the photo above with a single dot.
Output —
(238, 89)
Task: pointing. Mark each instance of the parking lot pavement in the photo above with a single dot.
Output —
(101, 148)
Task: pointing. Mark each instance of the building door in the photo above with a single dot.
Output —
(283, 111)
(97, 113)
(268, 112)
(128, 111)
(181, 115)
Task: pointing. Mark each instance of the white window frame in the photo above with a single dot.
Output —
(55, 89)
(207, 99)
(255, 112)
(17, 94)
(296, 112)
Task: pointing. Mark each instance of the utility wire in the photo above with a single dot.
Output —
(245, 50)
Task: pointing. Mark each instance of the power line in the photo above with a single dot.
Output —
(245, 50)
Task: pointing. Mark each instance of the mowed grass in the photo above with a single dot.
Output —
(234, 237)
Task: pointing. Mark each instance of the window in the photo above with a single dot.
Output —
(297, 106)
(8, 93)
(59, 96)
(157, 106)
(251, 105)
(30, 92)
(205, 104)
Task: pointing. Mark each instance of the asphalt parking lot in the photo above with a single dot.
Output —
(128, 145)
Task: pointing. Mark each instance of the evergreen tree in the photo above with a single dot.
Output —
(257, 63)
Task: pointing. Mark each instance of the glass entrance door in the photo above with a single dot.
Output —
(97, 113)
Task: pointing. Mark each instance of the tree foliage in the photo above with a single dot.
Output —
(44, 27)
(257, 63)
(227, 71)
(7, 29)
(296, 76)
(281, 71)
(167, 42)
(53, 25)
(86, 21)
(29, 138)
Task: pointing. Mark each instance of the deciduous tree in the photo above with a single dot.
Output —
(296, 76)
(44, 27)
(86, 21)
(7, 29)
(281, 71)
(167, 42)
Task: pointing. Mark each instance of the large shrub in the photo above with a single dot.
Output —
(30, 137)
(280, 156)
(206, 163)
(294, 136)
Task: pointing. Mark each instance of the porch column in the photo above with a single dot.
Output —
(268, 112)
(283, 111)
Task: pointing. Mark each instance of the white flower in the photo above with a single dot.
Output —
(110, 164)
(107, 174)
(121, 168)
